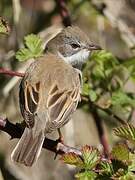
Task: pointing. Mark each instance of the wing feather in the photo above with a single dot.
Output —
(29, 99)
(61, 105)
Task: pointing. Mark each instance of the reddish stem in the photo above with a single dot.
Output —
(11, 73)
(100, 129)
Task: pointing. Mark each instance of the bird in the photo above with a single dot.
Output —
(50, 90)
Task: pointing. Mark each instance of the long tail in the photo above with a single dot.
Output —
(28, 148)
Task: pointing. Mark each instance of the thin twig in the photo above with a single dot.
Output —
(99, 122)
(100, 129)
(11, 73)
(16, 130)
(108, 111)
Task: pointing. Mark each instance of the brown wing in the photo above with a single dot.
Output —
(29, 98)
(61, 105)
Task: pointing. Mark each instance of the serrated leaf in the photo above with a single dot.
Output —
(119, 174)
(34, 43)
(33, 48)
(122, 175)
(91, 157)
(23, 54)
(4, 27)
(105, 168)
(117, 164)
(87, 175)
(120, 152)
(105, 62)
(126, 131)
(72, 159)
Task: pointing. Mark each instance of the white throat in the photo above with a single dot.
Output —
(76, 59)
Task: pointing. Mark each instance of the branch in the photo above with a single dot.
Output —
(108, 111)
(99, 122)
(100, 129)
(65, 15)
(16, 131)
(11, 73)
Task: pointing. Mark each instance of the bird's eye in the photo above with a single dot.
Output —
(75, 46)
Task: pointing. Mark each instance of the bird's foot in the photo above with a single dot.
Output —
(60, 139)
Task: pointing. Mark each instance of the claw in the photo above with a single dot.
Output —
(55, 156)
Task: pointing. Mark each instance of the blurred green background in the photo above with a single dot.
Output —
(108, 23)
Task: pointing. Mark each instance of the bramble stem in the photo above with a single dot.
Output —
(11, 73)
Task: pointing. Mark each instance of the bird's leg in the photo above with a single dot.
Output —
(60, 136)
(60, 139)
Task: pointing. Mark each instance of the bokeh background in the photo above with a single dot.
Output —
(110, 23)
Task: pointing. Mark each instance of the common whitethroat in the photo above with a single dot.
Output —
(50, 90)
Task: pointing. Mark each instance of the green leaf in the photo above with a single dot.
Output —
(4, 27)
(117, 164)
(121, 98)
(122, 175)
(33, 48)
(92, 95)
(86, 89)
(87, 175)
(120, 152)
(98, 72)
(104, 56)
(24, 54)
(72, 159)
(91, 157)
(34, 43)
(131, 166)
(129, 62)
(126, 131)
(105, 168)
(104, 63)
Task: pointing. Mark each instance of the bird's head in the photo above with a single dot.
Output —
(72, 45)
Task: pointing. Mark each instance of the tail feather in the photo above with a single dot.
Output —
(28, 148)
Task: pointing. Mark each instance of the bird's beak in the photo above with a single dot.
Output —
(94, 47)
